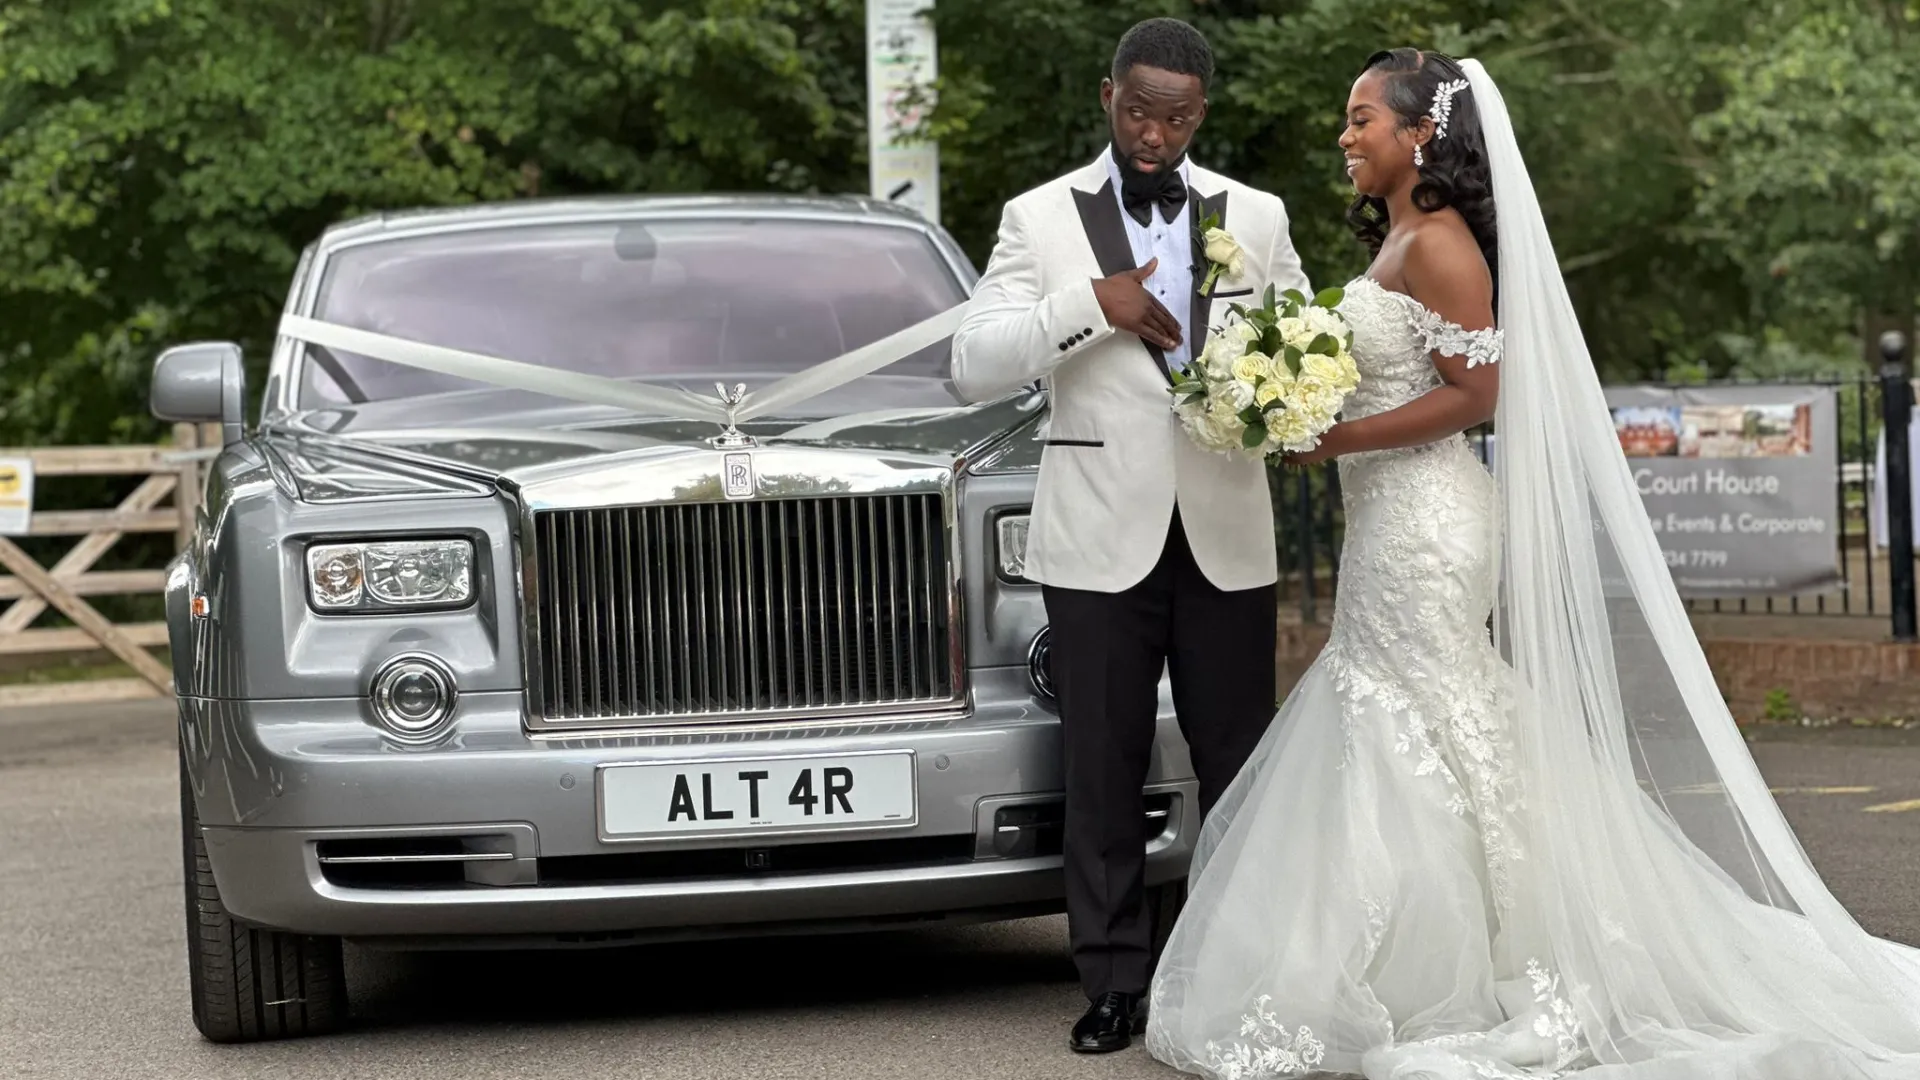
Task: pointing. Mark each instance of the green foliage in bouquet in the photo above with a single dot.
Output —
(1190, 384)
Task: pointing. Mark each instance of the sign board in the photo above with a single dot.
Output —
(16, 495)
(900, 59)
(1738, 483)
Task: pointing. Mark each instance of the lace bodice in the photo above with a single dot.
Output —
(1394, 337)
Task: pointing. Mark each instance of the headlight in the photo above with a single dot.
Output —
(390, 575)
(1010, 545)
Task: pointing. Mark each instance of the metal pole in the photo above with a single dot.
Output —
(1896, 412)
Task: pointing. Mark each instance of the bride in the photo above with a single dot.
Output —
(1540, 852)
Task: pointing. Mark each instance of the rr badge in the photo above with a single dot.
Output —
(736, 476)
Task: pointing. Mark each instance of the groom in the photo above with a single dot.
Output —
(1150, 551)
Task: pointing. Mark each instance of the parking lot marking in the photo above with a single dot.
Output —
(1893, 807)
(1716, 789)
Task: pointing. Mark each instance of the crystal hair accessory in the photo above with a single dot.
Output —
(1442, 108)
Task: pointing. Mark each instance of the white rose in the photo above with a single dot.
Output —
(1252, 367)
(1321, 367)
(1237, 394)
(1294, 331)
(1224, 250)
(1349, 371)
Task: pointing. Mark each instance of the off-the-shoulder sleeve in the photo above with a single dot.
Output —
(1450, 339)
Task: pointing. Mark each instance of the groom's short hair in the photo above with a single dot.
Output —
(1167, 44)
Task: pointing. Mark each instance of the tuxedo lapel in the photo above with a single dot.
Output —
(1107, 234)
(1200, 208)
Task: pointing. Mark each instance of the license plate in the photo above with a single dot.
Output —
(754, 796)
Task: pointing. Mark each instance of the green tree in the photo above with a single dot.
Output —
(1812, 186)
(162, 162)
(1603, 94)
(1718, 205)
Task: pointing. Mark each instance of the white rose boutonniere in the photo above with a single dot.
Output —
(1222, 251)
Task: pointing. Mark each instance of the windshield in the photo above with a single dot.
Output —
(676, 301)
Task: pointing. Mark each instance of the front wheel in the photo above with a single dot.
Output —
(251, 985)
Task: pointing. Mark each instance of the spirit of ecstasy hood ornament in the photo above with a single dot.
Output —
(731, 437)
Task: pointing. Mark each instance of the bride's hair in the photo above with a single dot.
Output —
(1455, 171)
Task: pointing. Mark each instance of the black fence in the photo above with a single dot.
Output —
(1310, 524)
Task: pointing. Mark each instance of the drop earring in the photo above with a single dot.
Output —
(1418, 161)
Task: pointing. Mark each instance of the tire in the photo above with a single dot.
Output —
(251, 985)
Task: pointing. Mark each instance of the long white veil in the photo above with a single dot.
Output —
(1682, 914)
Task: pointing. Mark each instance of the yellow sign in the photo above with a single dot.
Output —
(16, 496)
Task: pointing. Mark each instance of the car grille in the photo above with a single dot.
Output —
(714, 610)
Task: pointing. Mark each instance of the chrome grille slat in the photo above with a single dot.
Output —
(839, 608)
(704, 685)
(820, 561)
(898, 675)
(742, 610)
(806, 603)
(634, 634)
(933, 525)
(766, 581)
(684, 647)
(590, 611)
(873, 565)
(913, 599)
(572, 601)
(865, 590)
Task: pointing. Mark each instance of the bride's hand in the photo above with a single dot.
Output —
(1331, 446)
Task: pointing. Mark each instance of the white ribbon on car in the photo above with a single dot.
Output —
(729, 408)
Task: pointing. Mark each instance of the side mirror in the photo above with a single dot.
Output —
(202, 383)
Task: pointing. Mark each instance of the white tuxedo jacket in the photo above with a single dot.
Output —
(1116, 461)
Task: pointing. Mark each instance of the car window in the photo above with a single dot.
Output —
(677, 301)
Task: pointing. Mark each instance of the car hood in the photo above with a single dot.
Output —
(335, 454)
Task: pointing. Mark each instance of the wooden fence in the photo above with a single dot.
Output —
(164, 502)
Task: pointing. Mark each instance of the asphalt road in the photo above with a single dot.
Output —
(93, 979)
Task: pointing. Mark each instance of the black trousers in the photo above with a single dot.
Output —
(1107, 654)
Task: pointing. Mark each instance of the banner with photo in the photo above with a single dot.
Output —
(1738, 482)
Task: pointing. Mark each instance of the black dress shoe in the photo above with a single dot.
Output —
(1110, 1024)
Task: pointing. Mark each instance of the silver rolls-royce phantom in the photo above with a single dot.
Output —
(462, 665)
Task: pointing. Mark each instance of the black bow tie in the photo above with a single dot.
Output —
(1140, 191)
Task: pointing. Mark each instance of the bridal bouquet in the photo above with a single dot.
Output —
(1272, 380)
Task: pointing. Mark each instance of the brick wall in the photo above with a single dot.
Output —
(1821, 677)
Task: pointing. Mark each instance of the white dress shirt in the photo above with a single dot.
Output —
(1172, 243)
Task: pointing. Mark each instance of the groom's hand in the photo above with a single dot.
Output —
(1128, 306)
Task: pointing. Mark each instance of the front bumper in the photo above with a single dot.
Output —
(280, 784)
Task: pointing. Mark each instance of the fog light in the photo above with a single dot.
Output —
(413, 697)
(1040, 665)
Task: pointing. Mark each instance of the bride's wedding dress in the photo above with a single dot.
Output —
(1540, 852)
